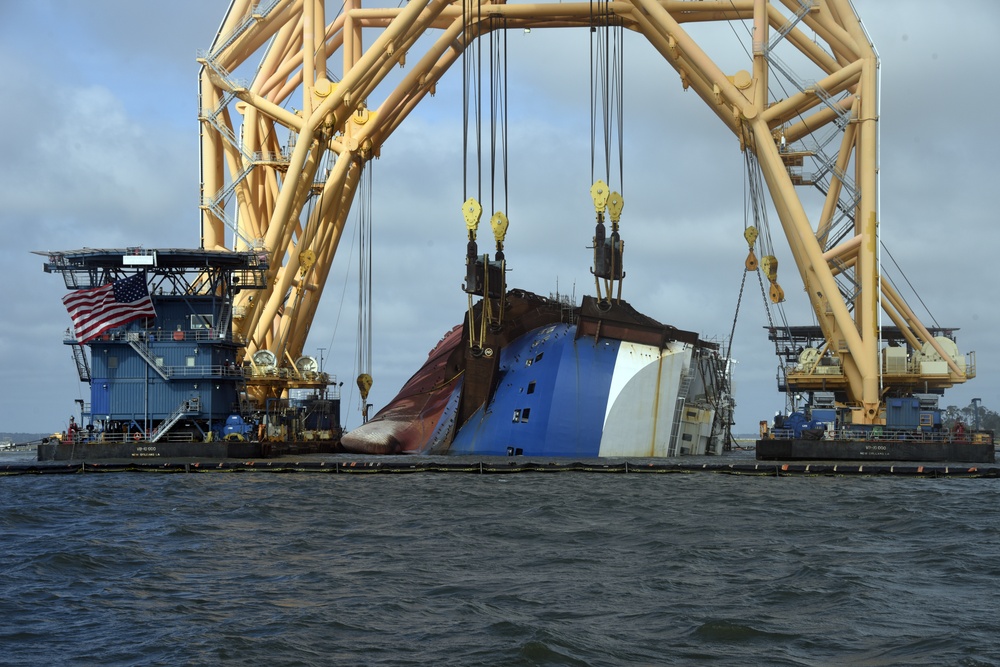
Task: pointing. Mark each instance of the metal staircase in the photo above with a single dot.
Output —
(140, 346)
(673, 447)
(805, 6)
(253, 17)
(82, 365)
(225, 318)
(191, 406)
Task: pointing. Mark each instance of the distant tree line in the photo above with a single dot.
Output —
(988, 419)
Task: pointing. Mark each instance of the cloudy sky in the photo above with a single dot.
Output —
(100, 149)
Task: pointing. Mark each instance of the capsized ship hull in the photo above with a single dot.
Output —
(593, 381)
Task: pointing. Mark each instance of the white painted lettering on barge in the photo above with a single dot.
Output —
(145, 451)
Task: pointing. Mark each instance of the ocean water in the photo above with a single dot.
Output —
(527, 569)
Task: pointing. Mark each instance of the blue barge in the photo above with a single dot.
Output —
(152, 337)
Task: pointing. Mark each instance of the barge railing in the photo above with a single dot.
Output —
(881, 434)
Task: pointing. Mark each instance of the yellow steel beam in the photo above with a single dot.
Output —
(269, 203)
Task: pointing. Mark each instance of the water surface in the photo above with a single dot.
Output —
(528, 569)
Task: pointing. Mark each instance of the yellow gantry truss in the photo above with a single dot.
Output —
(282, 152)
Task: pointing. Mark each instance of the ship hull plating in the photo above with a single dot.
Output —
(605, 382)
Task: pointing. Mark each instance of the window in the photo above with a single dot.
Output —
(525, 413)
(112, 362)
(202, 321)
(159, 362)
(517, 416)
(189, 362)
(531, 387)
(687, 437)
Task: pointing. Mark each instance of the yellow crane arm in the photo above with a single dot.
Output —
(282, 154)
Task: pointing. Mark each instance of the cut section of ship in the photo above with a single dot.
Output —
(597, 380)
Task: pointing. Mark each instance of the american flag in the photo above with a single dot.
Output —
(98, 309)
